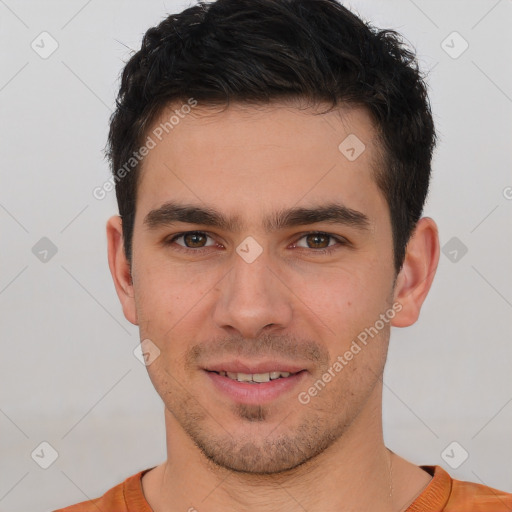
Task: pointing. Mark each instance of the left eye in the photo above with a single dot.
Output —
(318, 240)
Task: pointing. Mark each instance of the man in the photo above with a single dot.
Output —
(271, 161)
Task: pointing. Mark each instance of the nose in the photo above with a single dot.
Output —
(253, 299)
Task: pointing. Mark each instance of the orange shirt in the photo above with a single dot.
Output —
(442, 494)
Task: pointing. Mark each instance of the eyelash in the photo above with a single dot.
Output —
(328, 250)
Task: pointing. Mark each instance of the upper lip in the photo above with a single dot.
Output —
(237, 366)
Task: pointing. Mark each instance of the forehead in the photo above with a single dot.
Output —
(251, 158)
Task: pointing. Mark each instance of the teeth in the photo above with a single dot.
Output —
(261, 377)
(255, 377)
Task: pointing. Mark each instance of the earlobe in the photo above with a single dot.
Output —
(120, 268)
(415, 278)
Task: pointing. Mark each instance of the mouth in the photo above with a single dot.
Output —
(255, 384)
(256, 378)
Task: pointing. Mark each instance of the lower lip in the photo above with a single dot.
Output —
(257, 393)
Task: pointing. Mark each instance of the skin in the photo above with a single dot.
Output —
(291, 303)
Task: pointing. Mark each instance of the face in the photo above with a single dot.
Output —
(261, 251)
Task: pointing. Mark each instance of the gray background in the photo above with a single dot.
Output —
(68, 373)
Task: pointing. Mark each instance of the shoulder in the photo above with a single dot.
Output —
(118, 499)
(447, 494)
(476, 497)
(112, 500)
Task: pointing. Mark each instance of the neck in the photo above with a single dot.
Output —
(352, 474)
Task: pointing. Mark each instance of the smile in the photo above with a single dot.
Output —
(256, 378)
(254, 388)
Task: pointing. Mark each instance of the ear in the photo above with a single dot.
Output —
(120, 268)
(417, 273)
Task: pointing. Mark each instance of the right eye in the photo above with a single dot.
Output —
(191, 240)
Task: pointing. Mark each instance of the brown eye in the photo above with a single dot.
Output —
(320, 243)
(191, 240)
(318, 240)
(194, 240)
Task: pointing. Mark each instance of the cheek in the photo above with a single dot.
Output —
(166, 293)
(170, 306)
(344, 300)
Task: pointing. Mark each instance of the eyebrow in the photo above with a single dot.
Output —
(332, 213)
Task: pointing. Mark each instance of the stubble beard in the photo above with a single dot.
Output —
(257, 448)
(280, 450)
